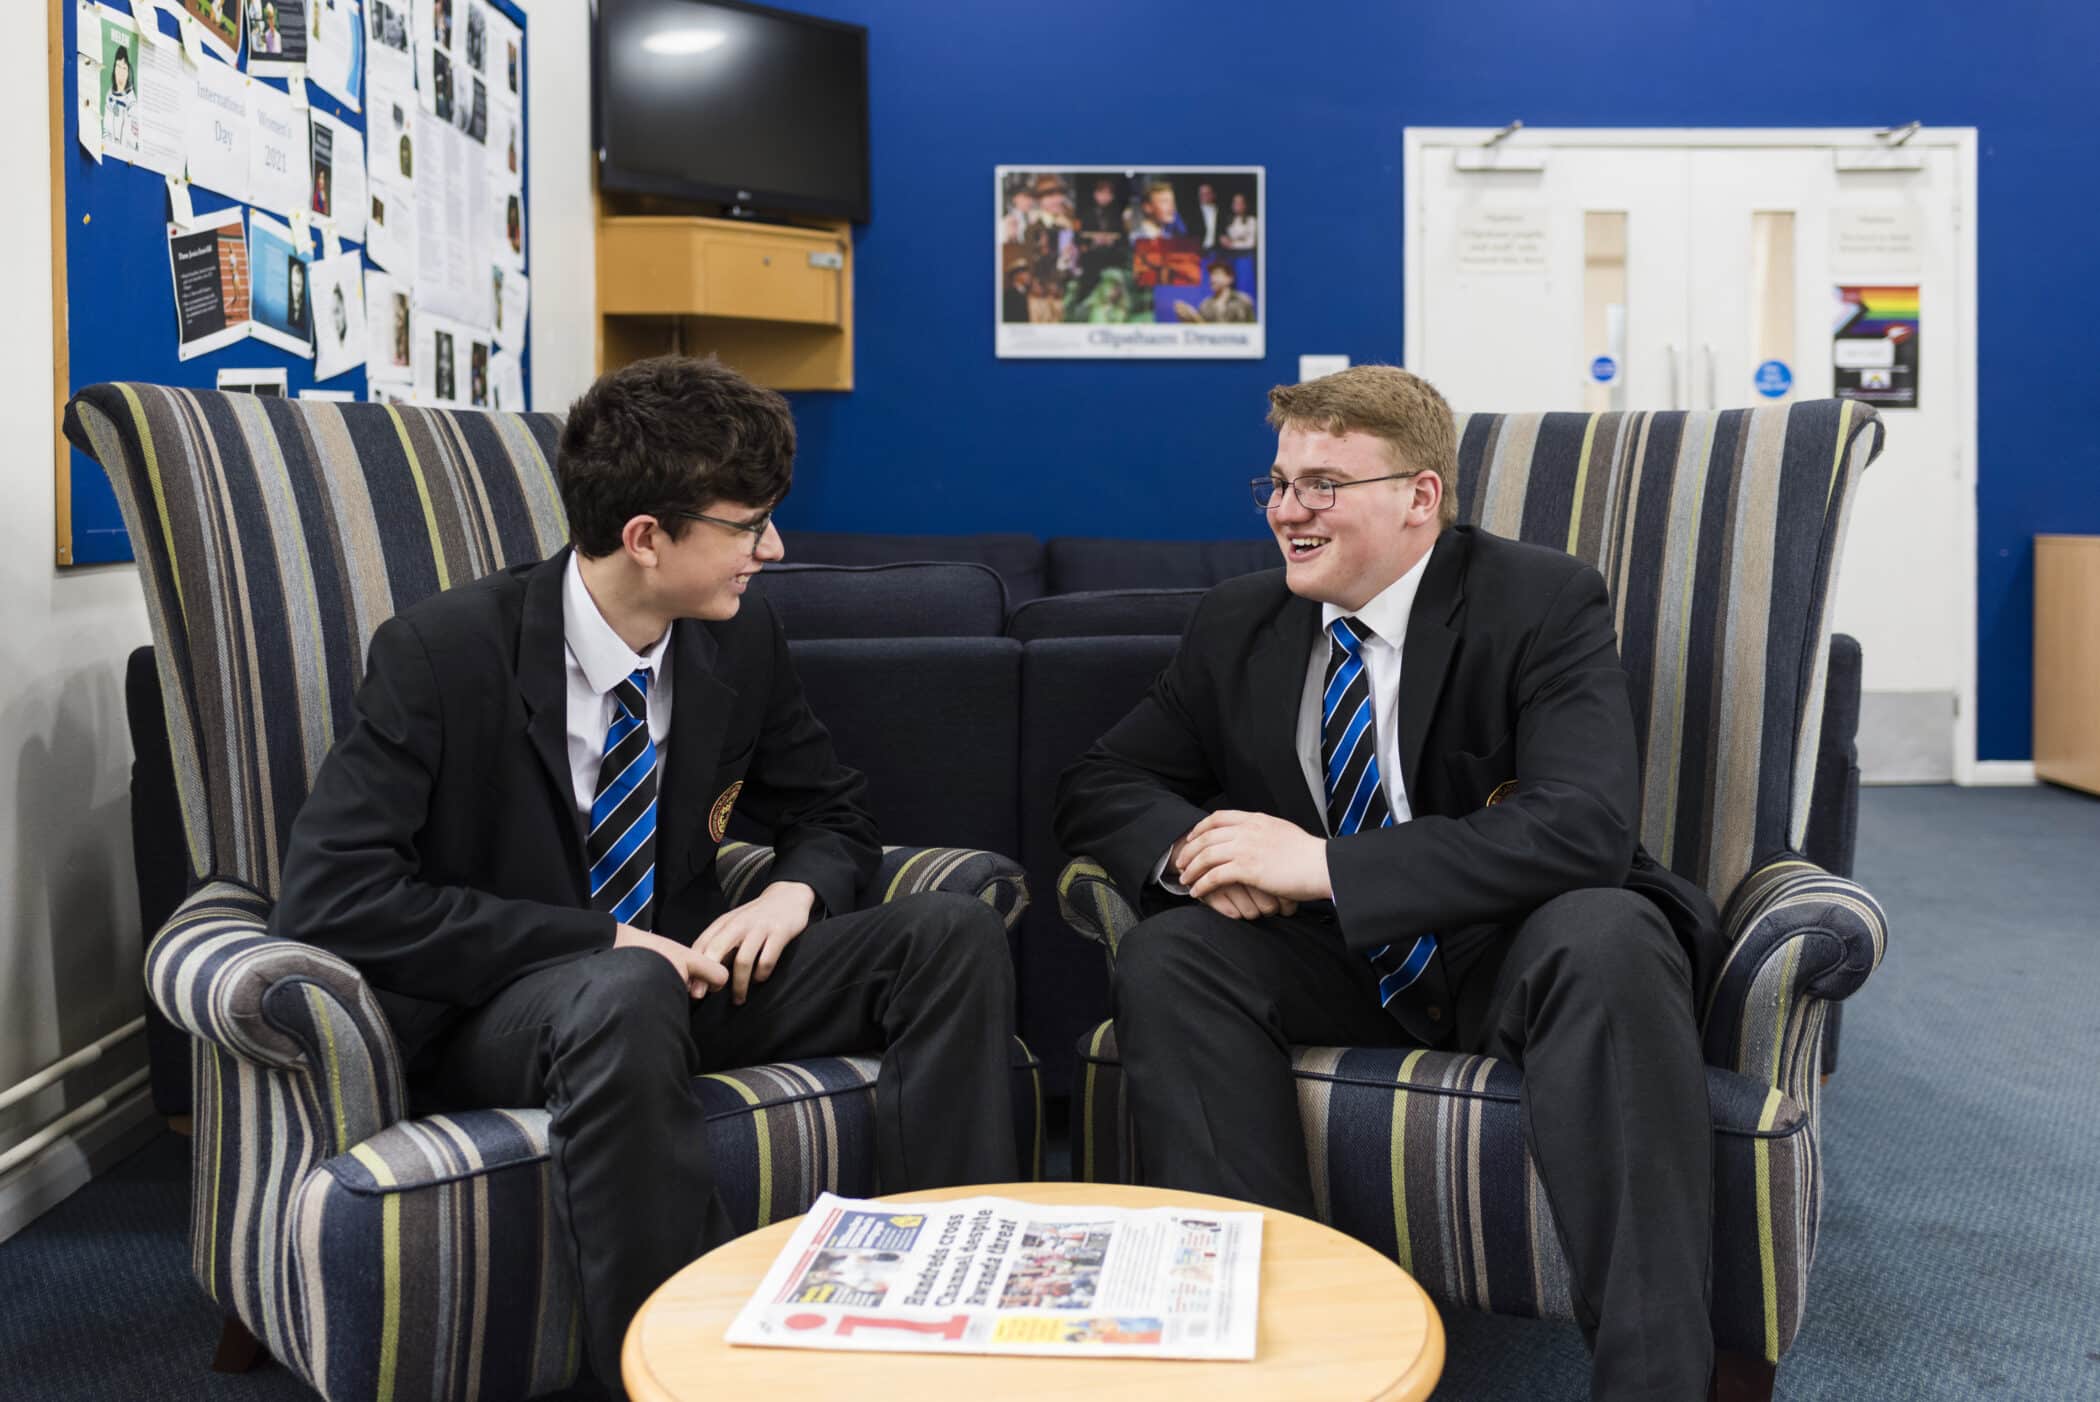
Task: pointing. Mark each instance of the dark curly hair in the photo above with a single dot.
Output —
(665, 435)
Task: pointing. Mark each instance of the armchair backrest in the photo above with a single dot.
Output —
(1718, 535)
(273, 536)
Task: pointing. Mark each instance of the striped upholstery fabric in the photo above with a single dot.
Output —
(1718, 535)
(273, 536)
(486, 1302)
(377, 1256)
(904, 871)
(1421, 1155)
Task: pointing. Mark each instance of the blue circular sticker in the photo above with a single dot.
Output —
(1774, 379)
(1604, 369)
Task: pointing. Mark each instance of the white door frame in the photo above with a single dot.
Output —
(1522, 148)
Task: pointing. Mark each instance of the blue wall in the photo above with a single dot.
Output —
(942, 436)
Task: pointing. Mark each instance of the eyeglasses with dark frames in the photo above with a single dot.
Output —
(1314, 493)
(755, 529)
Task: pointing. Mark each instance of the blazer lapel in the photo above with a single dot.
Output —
(1276, 672)
(1425, 658)
(543, 681)
(700, 704)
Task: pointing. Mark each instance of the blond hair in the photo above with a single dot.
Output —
(1385, 402)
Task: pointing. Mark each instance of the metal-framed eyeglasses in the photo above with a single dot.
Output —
(755, 529)
(1313, 493)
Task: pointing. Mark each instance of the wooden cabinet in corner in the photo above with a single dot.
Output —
(720, 268)
(773, 300)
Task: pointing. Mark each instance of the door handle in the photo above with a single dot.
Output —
(1713, 397)
(1670, 354)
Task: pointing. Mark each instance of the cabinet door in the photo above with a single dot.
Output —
(769, 279)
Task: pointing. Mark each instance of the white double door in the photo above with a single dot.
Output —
(1585, 270)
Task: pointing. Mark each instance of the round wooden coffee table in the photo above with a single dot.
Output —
(1337, 1321)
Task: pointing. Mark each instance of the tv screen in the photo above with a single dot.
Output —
(731, 103)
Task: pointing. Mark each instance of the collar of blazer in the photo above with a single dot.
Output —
(701, 704)
(1279, 663)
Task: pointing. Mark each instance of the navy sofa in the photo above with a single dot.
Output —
(961, 674)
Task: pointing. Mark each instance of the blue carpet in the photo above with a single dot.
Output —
(1960, 1252)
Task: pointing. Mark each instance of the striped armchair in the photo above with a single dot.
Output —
(1718, 535)
(374, 1254)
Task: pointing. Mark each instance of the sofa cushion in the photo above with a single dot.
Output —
(1072, 690)
(922, 599)
(1076, 563)
(934, 723)
(1098, 613)
(1017, 558)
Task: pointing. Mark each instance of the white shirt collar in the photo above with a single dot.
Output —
(606, 661)
(1389, 609)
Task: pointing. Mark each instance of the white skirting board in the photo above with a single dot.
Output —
(67, 1165)
(2002, 773)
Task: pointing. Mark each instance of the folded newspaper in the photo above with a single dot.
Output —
(993, 1275)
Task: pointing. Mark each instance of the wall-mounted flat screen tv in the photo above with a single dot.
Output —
(753, 108)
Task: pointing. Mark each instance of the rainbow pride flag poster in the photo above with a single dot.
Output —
(1874, 346)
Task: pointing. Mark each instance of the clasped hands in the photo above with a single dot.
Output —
(741, 947)
(1247, 865)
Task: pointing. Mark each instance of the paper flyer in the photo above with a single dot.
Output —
(266, 381)
(388, 58)
(142, 93)
(335, 51)
(219, 128)
(1874, 347)
(389, 330)
(278, 178)
(340, 342)
(216, 22)
(390, 166)
(338, 160)
(282, 300)
(277, 38)
(506, 383)
(209, 265)
(510, 300)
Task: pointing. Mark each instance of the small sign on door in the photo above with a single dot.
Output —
(1502, 241)
(1874, 351)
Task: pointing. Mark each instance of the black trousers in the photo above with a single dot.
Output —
(610, 1044)
(1591, 996)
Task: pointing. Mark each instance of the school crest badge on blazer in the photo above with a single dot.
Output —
(1502, 790)
(718, 816)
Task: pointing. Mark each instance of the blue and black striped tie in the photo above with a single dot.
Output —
(621, 848)
(1355, 798)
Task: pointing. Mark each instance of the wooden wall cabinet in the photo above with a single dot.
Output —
(773, 301)
(2067, 660)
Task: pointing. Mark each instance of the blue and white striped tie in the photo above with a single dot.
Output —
(1355, 797)
(621, 848)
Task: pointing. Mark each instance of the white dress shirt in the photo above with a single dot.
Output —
(1386, 616)
(596, 661)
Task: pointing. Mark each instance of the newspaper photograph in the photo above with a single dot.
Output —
(993, 1275)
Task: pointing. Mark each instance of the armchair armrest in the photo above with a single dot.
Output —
(905, 871)
(1093, 905)
(1799, 939)
(218, 974)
